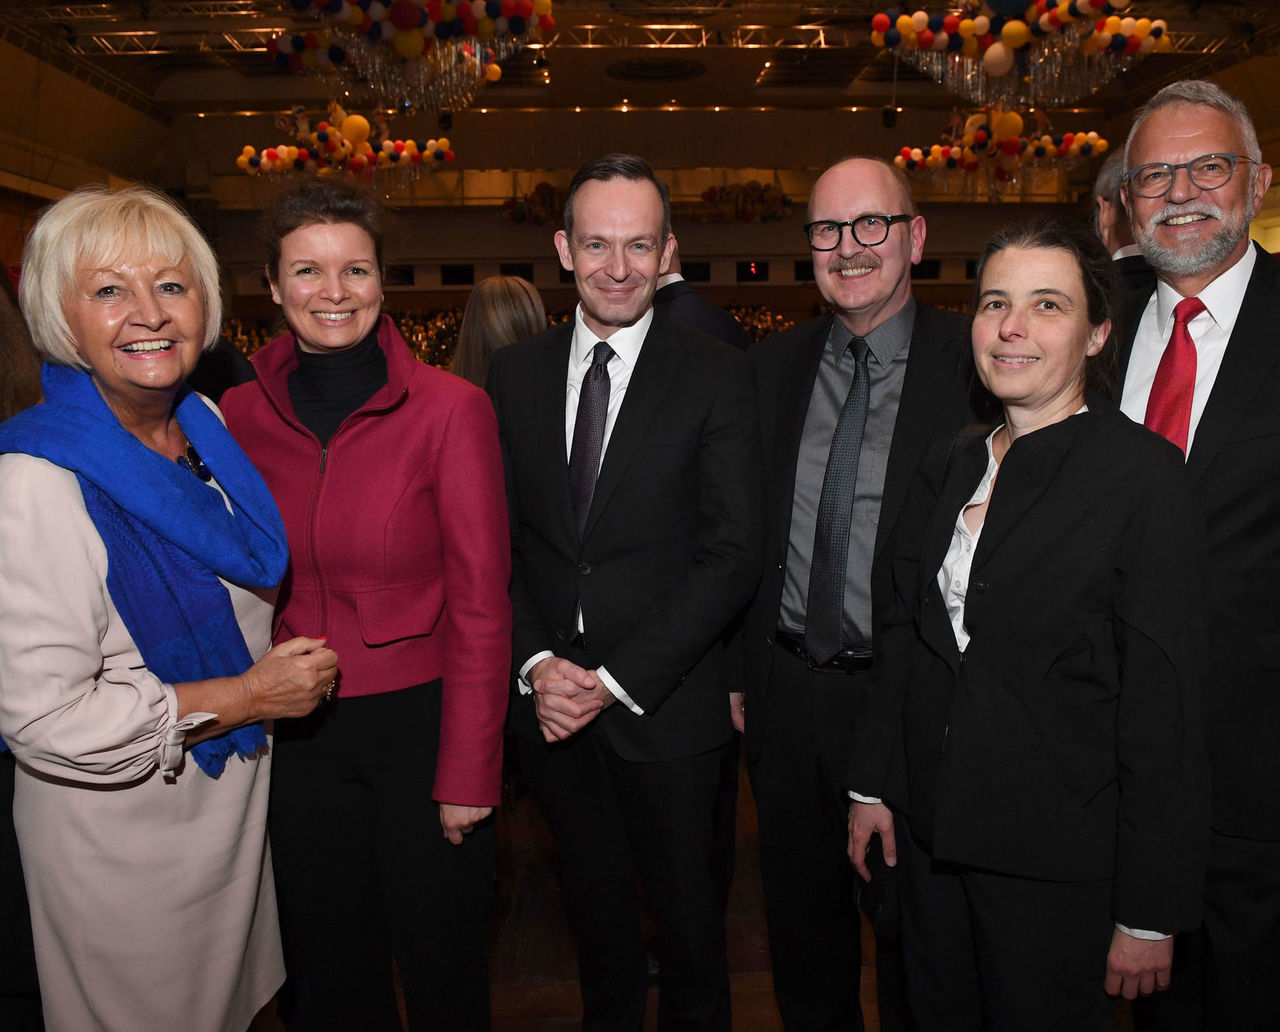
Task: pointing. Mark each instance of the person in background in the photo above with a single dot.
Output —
(807, 651)
(500, 311)
(1039, 739)
(139, 557)
(1200, 364)
(684, 305)
(1111, 223)
(389, 477)
(19, 987)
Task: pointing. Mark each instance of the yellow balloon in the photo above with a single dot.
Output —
(442, 143)
(970, 47)
(877, 39)
(900, 161)
(242, 162)
(904, 24)
(248, 151)
(486, 27)
(1142, 27)
(408, 43)
(1015, 34)
(966, 27)
(1101, 147)
(494, 72)
(1113, 24)
(355, 128)
(541, 7)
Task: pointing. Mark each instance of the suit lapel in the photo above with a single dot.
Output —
(964, 469)
(1251, 353)
(933, 364)
(660, 359)
(794, 374)
(549, 395)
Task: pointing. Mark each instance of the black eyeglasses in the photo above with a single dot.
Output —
(1208, 172)
(868, 231)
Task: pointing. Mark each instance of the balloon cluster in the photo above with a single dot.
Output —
(346, 143)
(407, 28)
(997, 31)
(994, 139)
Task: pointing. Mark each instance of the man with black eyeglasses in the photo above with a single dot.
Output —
(1200, 364)
(848, 403)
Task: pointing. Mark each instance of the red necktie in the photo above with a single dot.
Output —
(1169, 407)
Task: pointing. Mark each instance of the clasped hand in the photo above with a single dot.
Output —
(567, 697)
(290, 679)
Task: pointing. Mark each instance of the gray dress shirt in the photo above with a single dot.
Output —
(887, 345)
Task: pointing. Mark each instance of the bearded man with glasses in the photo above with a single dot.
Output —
(848, 403)
(1200, 364)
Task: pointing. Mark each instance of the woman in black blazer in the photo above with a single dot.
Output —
(1039, 742)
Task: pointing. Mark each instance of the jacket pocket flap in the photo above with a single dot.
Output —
(405, 611)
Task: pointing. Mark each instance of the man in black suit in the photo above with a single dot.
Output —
(1111, 223)
(686, 306)
(873, 383)
(622, 588)
(1200, 364)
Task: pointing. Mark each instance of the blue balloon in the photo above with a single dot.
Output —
(255, 162)
(1008, 8)
(299, 164)
(394, 156)
(375, 31)
(935, 23)
(955, 42)
(282, 62)
(300, 5)
(1118, 43)
(493, 8)
(892, 37)
(516, 26)
(299, 44)
(334, 6)
(336, 54)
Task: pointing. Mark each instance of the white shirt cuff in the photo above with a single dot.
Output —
(1139, 933)
(617, 691)
(524, 684)
(857, 798)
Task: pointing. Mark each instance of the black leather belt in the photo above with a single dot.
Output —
(846, 661)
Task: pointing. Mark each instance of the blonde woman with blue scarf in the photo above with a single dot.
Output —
(139, 557)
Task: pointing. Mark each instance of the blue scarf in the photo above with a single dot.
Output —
(168, 535)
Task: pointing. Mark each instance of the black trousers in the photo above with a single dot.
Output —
(364, 873)
(811, 892)
(19, 989)
(1226, 974)
(614, 819)
(987, 952)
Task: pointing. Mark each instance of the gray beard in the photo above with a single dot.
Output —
(1175, 262)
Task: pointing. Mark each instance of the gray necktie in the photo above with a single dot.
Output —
(825, 607)
(588, 434)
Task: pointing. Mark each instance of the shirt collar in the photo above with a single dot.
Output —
(626, 341)
(1222, 297)
(886, 341)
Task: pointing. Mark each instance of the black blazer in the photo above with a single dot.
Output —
(1234, 471)
(686, 307)
(1065, 743)
(935, 400)
(672, 545)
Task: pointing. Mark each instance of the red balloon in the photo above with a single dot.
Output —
(951, 24)
(449, 155)
(905, 152)
(1067, 138)
(980, 136)
(1011, 145)
(270, 154)
(416, 158)
(547, 24)
(1134, 43)
(986, 39)
(311, 41)
(524, 8)
(508, 8)
(924, 40)
(404, 14)
(399, 146)
(880, 22)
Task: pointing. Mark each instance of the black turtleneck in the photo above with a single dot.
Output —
(329, 386)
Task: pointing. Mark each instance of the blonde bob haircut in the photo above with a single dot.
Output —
(95, 227)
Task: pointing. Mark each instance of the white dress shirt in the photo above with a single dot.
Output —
(626, 342)
(1210, 330)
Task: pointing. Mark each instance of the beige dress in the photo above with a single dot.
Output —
(150, 884)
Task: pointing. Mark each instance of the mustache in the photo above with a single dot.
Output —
(854, 264)
(1198, 207)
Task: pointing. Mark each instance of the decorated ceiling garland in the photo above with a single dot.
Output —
(343, 143)
(413, 53)
(1060, 50)
(991, 144)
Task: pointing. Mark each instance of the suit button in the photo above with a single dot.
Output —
(781, 566)
(926, 601)
(584, 568)
(980, 585)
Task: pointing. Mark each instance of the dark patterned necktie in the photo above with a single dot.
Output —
(588, 434)
(825, 608)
